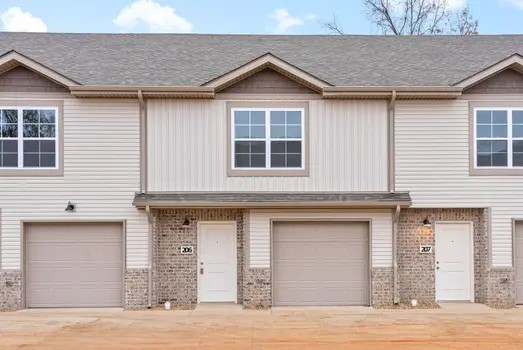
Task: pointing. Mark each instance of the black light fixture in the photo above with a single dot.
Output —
(186, 223)
(427, 222)
(70, 207)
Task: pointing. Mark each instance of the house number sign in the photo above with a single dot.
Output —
(425, 249)
(187, 249)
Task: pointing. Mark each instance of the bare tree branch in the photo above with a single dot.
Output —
(414, 17)
(333, 26)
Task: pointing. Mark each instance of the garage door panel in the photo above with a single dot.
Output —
(74, 265)
(320, 263)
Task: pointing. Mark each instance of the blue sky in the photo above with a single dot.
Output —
(223, 16)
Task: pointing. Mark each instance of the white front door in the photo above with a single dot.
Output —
(454, 266)
(217, 262)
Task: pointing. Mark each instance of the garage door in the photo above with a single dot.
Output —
(320, 263)
(519, 262)
(74, 265)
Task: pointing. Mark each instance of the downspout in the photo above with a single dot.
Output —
(143, 142)
(391, 172)
(143, 189)
(150, 264)
(392, 189)
(395, 276)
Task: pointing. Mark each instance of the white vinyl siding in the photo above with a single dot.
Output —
(260, 231)
(432, 162)
(101, 174)
(187, 148)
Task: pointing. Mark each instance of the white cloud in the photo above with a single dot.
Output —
(16, 20)
(456, 4)
(157, 17)
(452, 5)
(285, 21)
(517, 3)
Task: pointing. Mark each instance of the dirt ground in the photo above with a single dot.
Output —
(464, 326)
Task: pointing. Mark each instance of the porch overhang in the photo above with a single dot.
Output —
(272, 200)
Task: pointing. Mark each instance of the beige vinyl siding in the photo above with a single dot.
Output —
(187, 148)
(260, 231)
(432, 162)
(101, 175)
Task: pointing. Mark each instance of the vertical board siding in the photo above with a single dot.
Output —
(101, 175)
(432, 162)
(187, 148)
(260, 231)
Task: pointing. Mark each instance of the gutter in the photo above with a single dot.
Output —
(395, 278)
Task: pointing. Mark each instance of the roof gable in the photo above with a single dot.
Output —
(267, 61)
(21, 79)
(514, 62)
(508, 81)
(268, 81)
(14, 59)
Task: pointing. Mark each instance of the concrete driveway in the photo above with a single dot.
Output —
(455, 326)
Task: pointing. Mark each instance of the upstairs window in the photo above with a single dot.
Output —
(498, 134)
(268, 139)
(28, 138)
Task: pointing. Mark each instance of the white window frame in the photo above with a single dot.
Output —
(267, 138)
(509, 137)
(20, 138)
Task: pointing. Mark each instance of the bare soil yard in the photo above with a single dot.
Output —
(461, 326)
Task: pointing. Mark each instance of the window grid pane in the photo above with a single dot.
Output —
(499, 138)
(283, 142)
(39, 138)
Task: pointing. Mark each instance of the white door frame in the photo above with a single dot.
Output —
(198, 249)
(471, 247)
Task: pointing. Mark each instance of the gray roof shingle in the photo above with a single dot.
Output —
(193, 59)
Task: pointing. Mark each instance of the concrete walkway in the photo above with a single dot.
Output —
(226, 326)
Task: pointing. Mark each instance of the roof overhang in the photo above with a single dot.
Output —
(13, 59)
(386, 92)
(267, 61)
(514, 62)
(272, 199)
(147, 91)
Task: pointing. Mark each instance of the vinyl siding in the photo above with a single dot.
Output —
(260, 231)
(101, 175)
(432, 162)
(187, 148)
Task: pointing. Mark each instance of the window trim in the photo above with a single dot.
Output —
(508, 106)
(35, 104)
(267, 106)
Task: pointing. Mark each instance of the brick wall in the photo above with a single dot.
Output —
(10, 290)
(175, 275)
(417, 271)
(136, 287)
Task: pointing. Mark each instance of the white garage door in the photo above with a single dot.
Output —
(320, 263)
(518, 246)
(74, 265)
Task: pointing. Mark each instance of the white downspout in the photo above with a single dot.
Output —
(143, 189)
(392, 189)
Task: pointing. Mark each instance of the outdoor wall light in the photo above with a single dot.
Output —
(427, 222)
(70, 207)
(186, 223)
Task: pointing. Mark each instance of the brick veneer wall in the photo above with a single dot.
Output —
(10, 290)
(382, 281)
(136, 288)
(417, 271)
(174, 274)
